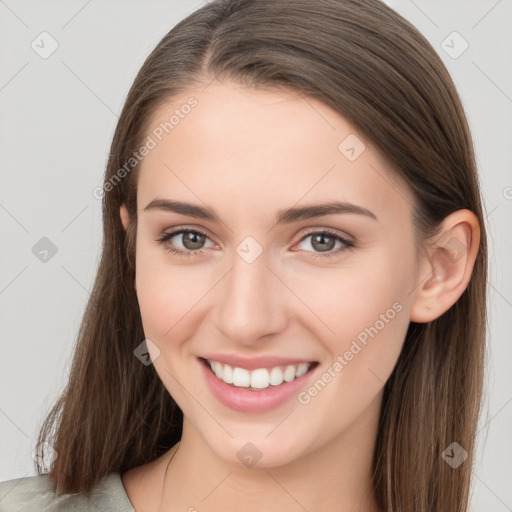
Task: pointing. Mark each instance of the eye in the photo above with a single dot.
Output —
(192, 241)
(324, 241)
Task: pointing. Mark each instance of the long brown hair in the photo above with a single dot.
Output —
(373, 67)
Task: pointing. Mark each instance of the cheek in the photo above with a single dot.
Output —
(367, 312)
(164, 301)
(161, 292)
(351, 297)
(363, 301)
(362, 312)
(170, 295)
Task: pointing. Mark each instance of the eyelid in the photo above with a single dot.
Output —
(178, 229)
(323, 229)
(309, 231)
(347, 240)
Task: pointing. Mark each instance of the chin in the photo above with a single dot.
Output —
(258, 452)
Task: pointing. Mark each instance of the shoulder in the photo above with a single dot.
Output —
(37, 493)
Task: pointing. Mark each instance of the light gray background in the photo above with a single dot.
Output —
(57, 119)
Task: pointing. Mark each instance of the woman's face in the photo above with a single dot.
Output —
(264, 273)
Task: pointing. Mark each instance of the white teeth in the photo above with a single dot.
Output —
(289, 373)
(241, 377)
(261, 378)
(227, 375)
(276, 376)
(217, 368)
(302, 369)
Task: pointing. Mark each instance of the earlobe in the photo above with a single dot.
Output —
(125, 217)
(447, 267)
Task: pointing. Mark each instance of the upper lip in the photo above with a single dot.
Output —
(254, 363)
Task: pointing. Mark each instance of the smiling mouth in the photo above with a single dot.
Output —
(258, 379)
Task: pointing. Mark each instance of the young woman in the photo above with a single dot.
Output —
(289, 313)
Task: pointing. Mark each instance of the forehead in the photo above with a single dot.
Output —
(245, 150)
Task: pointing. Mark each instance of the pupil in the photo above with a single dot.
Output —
(192, 240)
(323, 247)
(195, 240)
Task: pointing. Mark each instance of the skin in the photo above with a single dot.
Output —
(248, 154)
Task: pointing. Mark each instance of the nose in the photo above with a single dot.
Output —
(252, 302)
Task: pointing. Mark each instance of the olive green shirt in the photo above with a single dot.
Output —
(35, 494)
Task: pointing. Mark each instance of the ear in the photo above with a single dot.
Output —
(125, 217)
(447, 266)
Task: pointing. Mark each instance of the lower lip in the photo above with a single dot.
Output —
(245, 400)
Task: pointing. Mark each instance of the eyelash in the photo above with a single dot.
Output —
(165, 236)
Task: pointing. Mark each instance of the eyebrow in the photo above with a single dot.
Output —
(286, 216)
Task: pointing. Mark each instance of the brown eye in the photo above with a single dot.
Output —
(324, 242)
(184, 242)
(192, 240)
